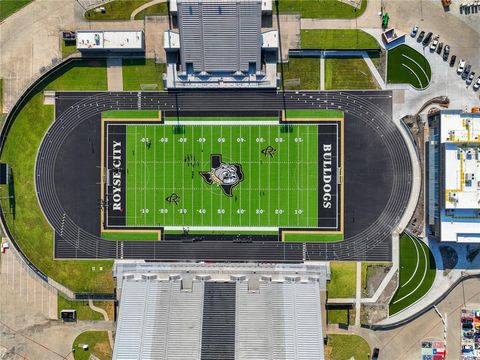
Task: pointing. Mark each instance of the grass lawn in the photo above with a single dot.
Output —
(417, 273)
(301, 74)
(326, 9)
(348, 73)
(142, 71)
(342, 281)
(338, 39)
(26, 220)
(8, 7)
(322, 113)
(345, 347)
(313, 237)
(98, 345)
(341, 316)
(157, 9)
(407, 66)
(68, 47)
(83, 310)
(115, 10)
(130, 235)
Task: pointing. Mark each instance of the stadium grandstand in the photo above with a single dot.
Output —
(220, 311)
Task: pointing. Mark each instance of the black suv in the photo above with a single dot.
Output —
(427, 39)
(420, 37)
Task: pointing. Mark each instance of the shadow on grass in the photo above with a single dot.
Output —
(11, 194)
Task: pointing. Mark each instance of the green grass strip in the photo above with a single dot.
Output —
(220, 118)
(129, 235)
(130, 114)
(8, 7)
(313, 237)
(84, 312)
(299, 114)
(217, 232)
(321, 9)
(342, 282)
(98, 346)
(339, 39)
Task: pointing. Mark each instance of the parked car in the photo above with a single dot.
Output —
(466, 319)
(453, 59)
(468, 334)
(476, 86)
(466, 71)
(439, 48)
(420, 37)
(467, 348)
(446, 52)
(469, 81)
(375, 353)
(467, 326)
(461, 66)
(414, 31)
(427, 39)
(434, 44)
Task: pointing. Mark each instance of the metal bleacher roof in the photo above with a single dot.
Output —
(220, 35)
(218, 317)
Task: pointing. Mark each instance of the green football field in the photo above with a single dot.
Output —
(164, 186)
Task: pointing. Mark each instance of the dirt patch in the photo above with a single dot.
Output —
(374, 277)
(371, 314)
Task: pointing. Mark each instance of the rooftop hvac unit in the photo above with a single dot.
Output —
(453, 197)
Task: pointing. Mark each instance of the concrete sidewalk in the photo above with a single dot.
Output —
(114, 74)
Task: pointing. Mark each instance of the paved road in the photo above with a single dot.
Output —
(372, 243)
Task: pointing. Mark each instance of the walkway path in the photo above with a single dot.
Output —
(114, 74)
(144, 6)
(358, 293)
(105, 316)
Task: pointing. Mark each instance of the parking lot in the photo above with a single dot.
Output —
(470, 334)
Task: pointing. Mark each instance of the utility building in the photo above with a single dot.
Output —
(454, 176)
(219, 43)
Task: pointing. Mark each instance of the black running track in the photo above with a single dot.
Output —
(378, 175)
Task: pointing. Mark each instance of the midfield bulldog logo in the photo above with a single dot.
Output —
(227, 176)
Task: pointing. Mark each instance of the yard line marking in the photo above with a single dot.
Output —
(230, 140)
(269, 183)
(288, 174)
(193, 163)
(136, 174)
(250, 193)
(163, 179)
(201, 192)
(211, 192)
(240, 188)
(145, 175)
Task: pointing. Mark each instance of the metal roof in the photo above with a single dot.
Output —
(196, 314)
(220, 35)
